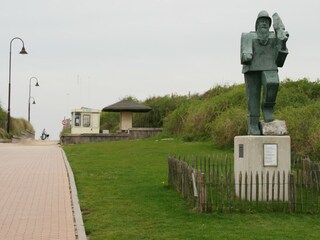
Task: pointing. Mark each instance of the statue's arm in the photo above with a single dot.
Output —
(281, 34)
(282, 50)
(282, 38)
(283, 42)
(246, 52)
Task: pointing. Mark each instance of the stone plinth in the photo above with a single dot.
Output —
(276, 127)
(262, 156)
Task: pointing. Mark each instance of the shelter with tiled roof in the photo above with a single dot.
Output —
(126, 107)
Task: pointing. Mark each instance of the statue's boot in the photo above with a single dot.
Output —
(268, 115)
(267, 110)
(253, 126)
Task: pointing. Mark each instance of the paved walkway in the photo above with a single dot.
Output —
(35, 198)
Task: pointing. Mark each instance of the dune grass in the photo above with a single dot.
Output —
(123, 194)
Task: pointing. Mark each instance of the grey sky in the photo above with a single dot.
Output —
(93, 53)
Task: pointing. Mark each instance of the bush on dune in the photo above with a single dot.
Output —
(220, 113)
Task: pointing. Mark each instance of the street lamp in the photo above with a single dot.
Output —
(34, 101)
(37, 85)
(23, 51)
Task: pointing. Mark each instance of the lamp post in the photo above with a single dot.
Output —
(37, 85)
(34, 101)
(23, 51)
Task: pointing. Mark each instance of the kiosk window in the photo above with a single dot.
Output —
(86, 120)
(77, 119)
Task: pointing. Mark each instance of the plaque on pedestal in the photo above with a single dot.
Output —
(270, 155)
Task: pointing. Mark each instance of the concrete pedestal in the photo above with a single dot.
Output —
(266, 161)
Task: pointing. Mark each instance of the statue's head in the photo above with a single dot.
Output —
(263, 20)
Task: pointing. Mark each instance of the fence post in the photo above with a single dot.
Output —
(262, 187)
(301, 188)
(228, 190)
(222, 193)
(194, 184)
(246, 187)
(234, 190)
(202, 198)
(279, 185)
(284, 188)
(294, 191)
(251, 186)
(312, 190)
(179, 174)
(273, 178)
(317, 189)
(257, 188)
(291, 192)
(240, 185)
(217, 186)
(210, 172)
(182, 166)
(169, 171)
(267, 186)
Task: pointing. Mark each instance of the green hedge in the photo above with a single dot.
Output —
(220, 114)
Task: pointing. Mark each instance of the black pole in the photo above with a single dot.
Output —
(23, 51)
(37, 84)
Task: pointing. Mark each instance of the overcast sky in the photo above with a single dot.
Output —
(94, 53)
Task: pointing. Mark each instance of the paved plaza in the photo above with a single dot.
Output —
(35, 194)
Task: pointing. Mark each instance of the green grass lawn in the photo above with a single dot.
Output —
(123, 194)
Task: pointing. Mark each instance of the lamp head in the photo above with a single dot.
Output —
(23, 51)
(37, 84)
(34, 102)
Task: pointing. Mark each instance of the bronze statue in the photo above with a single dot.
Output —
(262, 52)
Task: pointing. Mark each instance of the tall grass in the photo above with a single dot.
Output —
(18, 125)
(3, 117)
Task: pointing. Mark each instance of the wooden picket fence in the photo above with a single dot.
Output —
(210, 185)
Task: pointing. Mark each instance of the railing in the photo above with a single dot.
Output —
(209, 183)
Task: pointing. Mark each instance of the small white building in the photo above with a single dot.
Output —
(85, 120)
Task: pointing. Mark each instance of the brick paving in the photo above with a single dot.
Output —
(35, 200)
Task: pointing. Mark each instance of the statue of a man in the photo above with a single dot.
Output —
(262, 52)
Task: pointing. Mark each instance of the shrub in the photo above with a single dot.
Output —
(308, 88)
(314, 141)
(193, 118)
(297, 93)
(174, 123)
(66, 130)
(229, 124)
(4, 134)
(161, 107)
(220, 114)
(302, 123)
(110, 121)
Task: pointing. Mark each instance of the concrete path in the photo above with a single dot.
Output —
(36, 199)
